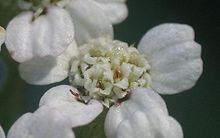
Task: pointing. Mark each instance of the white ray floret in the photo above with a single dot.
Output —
(58, 113)
(49, 68)
(144, 115)
(174, 56)
(47, 34)
(89, 20)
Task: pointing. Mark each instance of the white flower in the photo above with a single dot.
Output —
(2, 134)
(172, 60)
(2, 36)
(144, 114)
(108, 69)
(167, 61)
(47, 29)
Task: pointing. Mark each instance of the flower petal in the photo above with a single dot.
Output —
(41, 124)
(20, 128)
(2, 134)
(89, 20)
(76, 113)
(143, 115)
(48, 34)
(174, 56)
(48, 69)
(2, 36)
(116, 10)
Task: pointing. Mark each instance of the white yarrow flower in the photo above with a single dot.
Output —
(108, 70)
(123, 78)
(167, 55)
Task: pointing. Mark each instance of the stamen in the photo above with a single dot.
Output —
(83, 99)
(100, 85)
(74, 93)
(127, 96)
(117, 73)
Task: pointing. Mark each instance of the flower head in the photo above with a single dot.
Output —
(104, 71)
(167, 57)
(108, 70)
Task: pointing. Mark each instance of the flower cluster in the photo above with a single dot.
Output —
(108, 70)
(59, 39)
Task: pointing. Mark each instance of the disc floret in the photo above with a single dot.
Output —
(107, 70)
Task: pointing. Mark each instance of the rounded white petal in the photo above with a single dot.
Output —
(49, 69)
(73, 111)
(2, 36)
(89, 20)
(41, 124)
(50, 124)
(48, 34)
(143, 115)
(20, 128)
(116, 10)
(174, 56)
(2, 133)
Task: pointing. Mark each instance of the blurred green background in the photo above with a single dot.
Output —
(197, 110)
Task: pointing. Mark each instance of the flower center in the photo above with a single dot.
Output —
(107, 70)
